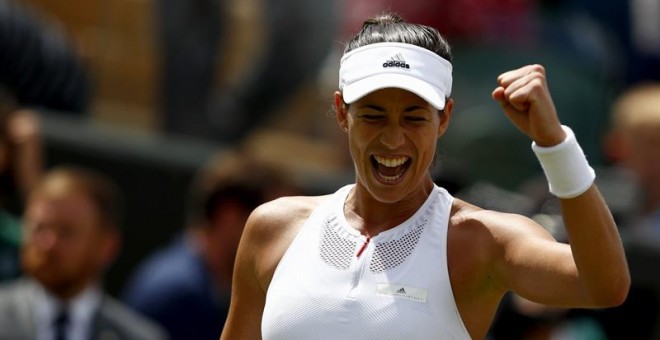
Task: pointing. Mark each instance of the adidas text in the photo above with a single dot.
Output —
(393, 63)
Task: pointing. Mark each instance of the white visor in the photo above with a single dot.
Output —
(405, 66)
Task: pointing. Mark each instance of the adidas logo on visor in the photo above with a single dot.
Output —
(396, 60)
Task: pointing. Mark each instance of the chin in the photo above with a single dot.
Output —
(387, 193)
(63, 287)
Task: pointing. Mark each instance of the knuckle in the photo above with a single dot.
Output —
(538, 68)
(537, 83)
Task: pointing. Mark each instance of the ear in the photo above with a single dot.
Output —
(342, 111)
(109, 248)
(445, 116)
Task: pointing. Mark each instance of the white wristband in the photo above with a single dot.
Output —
(565, 166)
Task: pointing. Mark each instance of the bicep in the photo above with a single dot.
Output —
(535, 266)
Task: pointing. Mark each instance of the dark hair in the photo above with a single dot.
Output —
(230, 177)
(101, 190)
(389, 27)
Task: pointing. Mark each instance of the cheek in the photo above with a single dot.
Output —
(645, 160)
(360, 137)
(80, 252)
(356, 149)
(35, 249)
(30, 258)
(427, 145)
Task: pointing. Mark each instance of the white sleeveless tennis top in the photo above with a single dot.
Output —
(397, 288)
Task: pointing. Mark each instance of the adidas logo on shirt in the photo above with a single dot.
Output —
(396, 60)
(403, 292)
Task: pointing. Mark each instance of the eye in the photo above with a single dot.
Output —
(67, 232)
(416, 118)
(417, 113)
(370, 112)
(371, 117)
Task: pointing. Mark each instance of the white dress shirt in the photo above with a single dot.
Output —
(81, 312)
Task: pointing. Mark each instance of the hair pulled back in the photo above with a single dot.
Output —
(389, 27)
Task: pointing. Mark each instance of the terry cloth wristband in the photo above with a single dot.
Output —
(565, 166)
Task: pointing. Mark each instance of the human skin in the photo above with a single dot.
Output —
(65, 247)
(488, 252)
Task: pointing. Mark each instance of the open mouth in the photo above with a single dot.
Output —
(390, 169)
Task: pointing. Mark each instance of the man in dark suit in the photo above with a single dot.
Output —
(185, 286)
(70, 237)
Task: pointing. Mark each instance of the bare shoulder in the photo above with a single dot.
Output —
(275, 223)
(466, 217)
(283, 214)
(271, 228)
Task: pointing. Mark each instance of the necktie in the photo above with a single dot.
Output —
(60, 324)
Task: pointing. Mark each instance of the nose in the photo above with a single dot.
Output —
(393, 135)
(45, 239)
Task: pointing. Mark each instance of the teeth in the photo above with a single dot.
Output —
(390, 162)
(391, 178)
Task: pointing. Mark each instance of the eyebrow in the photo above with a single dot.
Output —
(373, 107)
(413, 108)
(379, 108)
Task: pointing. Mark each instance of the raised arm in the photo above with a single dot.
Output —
(593, 271)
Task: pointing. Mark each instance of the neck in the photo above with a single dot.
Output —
(220, 267)
(370, 216)
(66, 292)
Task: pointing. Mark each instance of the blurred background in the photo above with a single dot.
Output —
(157, 87)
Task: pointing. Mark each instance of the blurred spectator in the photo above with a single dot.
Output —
(71, 237)
(192, 37)
(20, 169)
(38, 66)
(38, 70)
(21, 157)
(21, 164)
(186, 286)
(632, 146)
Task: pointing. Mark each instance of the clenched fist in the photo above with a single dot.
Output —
(524, 96)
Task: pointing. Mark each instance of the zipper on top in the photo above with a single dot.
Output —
(363, 247)
(359, 266)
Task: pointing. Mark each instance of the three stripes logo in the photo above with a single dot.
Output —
(396, 60)
(401, 291)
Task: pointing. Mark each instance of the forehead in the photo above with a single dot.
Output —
(65, 206)
(393, 95)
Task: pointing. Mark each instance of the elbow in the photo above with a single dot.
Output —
(622, 290)
(616, 294)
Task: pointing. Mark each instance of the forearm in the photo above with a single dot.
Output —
(597, 248)
(595, 243)
(24, 133)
